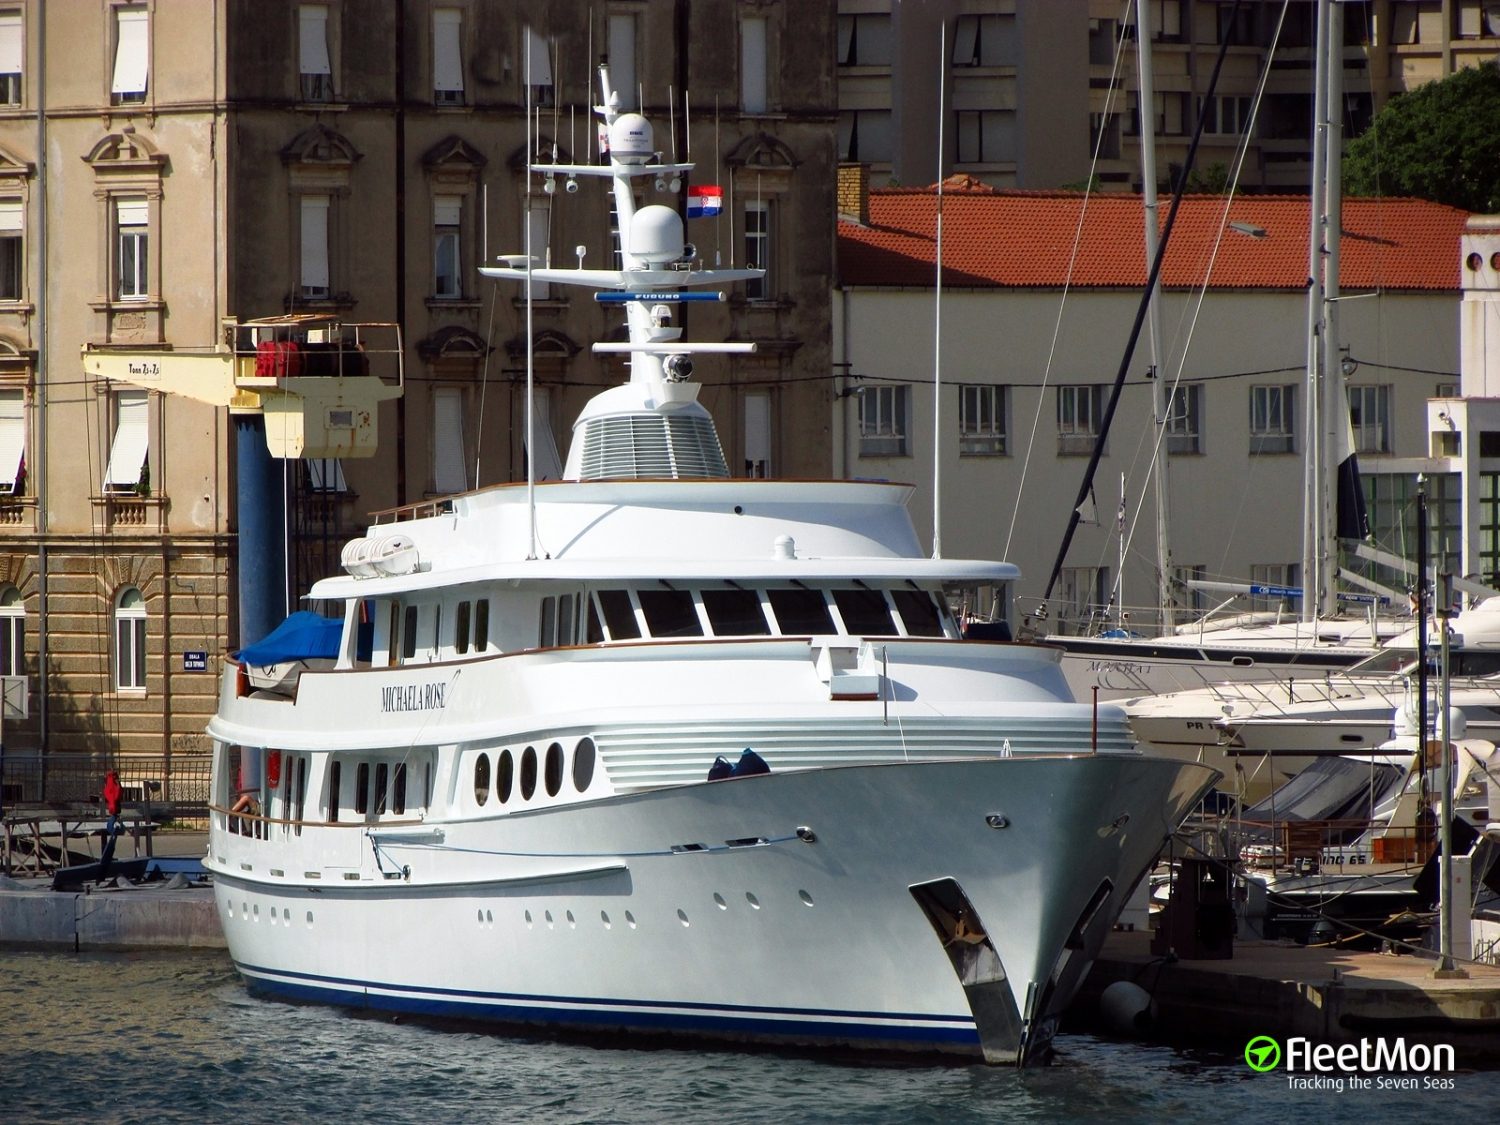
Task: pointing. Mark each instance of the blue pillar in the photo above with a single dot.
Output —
(262, 530)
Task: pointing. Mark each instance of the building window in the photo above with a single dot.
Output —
(1236, 24)
(988, 40)
(12, 633)
(1079, 409)
(539, 72)
(1448, 390)
(127, 470)
(1416, 22)
(132, 55)
(622, 58)
(1104, 36)
(1185, 596)
(1082, 594)
(11, 58)
(1225, 114)
(758, 249)
(12, 442)
(984, 136)
(314, 64)
(1104, 135)
(1274, 575)
(865, 39)
(447, 58)
(315, 283)
(1370, 417)
(1166, 20)
(753, 65)
(325, 474)
(130, 640)
(865, 135)
(132, 249)
(757, 434)
(882, 421)
(981, 421)
(12, 251)
(449, 467)
(1271, 419)
(1185, 419)
(447, 262)
(538, 219)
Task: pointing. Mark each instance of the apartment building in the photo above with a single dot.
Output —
(1032, 91)
(165, 164)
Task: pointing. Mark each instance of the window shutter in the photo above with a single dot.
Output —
(447, 63)
(448, 462)
(12, 438)
(128, 453)
(312, 39)
(10, 43)
(447, 210)
(315, 243)
(131, 212)
(130, 51)
(758, 434)
(753, 65)
(538, 219)
(539, 59)
(548, 463)
(10, 216)
(622, 58)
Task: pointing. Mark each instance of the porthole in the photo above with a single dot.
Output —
(805, 897)
(719, 901)
(630, 919)
(309, 918)
(505, 776)
(528, 919)
(554, 770)
(547, 916)
(572, 922)
(604, 917)
(583, 764)
(682, 917)
(481, 779)
(528, 773)
(752, 900)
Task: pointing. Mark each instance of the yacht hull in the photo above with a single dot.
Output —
(811, 908)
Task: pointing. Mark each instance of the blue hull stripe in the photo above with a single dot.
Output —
(734, 1019)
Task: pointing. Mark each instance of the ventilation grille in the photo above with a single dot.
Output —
(651, 446)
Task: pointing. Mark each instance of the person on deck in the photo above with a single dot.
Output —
(113, 795)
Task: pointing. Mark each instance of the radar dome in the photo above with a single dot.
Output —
(656, 235)
(631, 139)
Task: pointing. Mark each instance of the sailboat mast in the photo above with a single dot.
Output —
(1335, 405)
(1313, 480)
(1146, 103)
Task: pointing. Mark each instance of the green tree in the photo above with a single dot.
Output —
(1440, 141)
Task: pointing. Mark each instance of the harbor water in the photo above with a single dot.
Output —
(166, 1037)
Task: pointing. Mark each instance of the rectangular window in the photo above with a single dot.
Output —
(447, 269)
(130, 652)
(882, 421)
(801, 612)
(325, 474)
(335, 779)
(984, 136)
(735, 613)
(132, 54)
(548, 462)
(1370, 418)
(315, 271)
(1271, 419)
(757, 434)
(1166, 22)
(461, 629)
(1236, 24)
(753, 65)
(865, 612)
(984, 40)
(127, 454)
(1282, 575)
(132, 247)
(981, 421)
(619, 615)
(314, 67)
(538, 219)
(670, 613)
(12, 256)
(1083, 594)
(481, 624)
(11, 57)
(1104, 35)
(1079, 409)
(447, 58)
(1104, 135)
(382, 781)
(758, 249)
(919, 613)
(865, 39)
(1185, 418)
(362, 788)
(865, 135)
(622, 58)
(12, 442)
(449, 464)
(1225, 114)
(409, 633)
(1185, 596)
(539, 72)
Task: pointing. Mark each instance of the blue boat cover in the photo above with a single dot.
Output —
(302, 636)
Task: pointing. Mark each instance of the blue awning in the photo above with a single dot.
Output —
(302, 636)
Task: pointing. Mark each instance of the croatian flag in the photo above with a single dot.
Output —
(705, 202)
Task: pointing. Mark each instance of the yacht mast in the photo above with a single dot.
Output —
(1334, 403)
(1313, 479)
(1146, 103)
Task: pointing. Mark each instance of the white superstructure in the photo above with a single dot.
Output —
(491, 798)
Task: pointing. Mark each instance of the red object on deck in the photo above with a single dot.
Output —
(278, 359)
(112, 793)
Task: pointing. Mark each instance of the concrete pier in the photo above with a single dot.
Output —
(1323, 994)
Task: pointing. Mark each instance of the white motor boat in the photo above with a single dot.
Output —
(650, 750)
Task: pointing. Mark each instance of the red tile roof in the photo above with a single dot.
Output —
(1026, 239)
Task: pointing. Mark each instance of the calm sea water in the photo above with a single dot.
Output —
(174, 1037)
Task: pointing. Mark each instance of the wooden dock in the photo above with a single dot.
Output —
(1324, 994)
